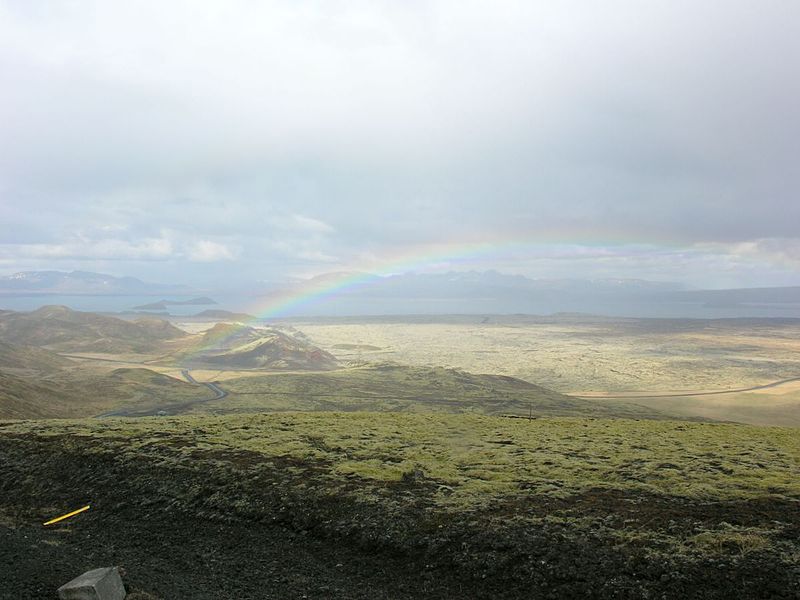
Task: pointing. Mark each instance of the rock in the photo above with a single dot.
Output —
(413, 476)
(97, 584)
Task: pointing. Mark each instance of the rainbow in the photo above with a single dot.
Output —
(427, 258)
(353, 278)
(444, 256)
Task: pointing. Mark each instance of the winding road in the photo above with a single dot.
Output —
(170, 409)
(683, 394)
(220, 393)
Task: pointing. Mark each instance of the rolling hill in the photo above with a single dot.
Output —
(22, 398)
(30, 358)
(401, 388)
(236, 347)
(72, 393)
(62, 329)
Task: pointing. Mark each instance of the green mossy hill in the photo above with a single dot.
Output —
(71, 394)
(391, 387)
(504, 508)
(139, 375)
(484, 457)
(30, 358)
(62, 329)
(24, 398)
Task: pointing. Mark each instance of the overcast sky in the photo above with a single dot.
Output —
(204, 142)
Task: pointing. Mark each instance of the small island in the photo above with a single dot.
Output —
(163, 304)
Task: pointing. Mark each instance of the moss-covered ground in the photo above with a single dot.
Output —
(402, 388)
(549, 507)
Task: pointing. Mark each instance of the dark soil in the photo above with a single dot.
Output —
(238, 526)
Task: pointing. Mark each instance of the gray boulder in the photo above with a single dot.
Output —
(97, 584)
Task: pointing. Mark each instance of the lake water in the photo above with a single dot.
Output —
(348, 305)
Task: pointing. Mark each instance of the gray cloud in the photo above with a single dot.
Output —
(290, 138)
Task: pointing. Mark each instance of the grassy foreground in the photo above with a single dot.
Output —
(480, 458)
(567, 507)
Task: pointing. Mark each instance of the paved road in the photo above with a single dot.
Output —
(170, 409)
(684, 394)
(220, 393)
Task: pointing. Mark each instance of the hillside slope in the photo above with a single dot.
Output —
(401, 388)
(28, 358)
(240, 347)
(21, 398)
(62, 329)
(85, 393)
(401, 506)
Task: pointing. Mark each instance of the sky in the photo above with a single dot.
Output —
(216, 143)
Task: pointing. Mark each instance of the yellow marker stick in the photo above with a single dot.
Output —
(67, 516)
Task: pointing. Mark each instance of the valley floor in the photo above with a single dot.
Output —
(581, 355)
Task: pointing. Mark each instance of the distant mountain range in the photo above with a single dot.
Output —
(742, 296)
(480, 284)
(456, 292)
(455, 282)
(82, 282)
(473, 292)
